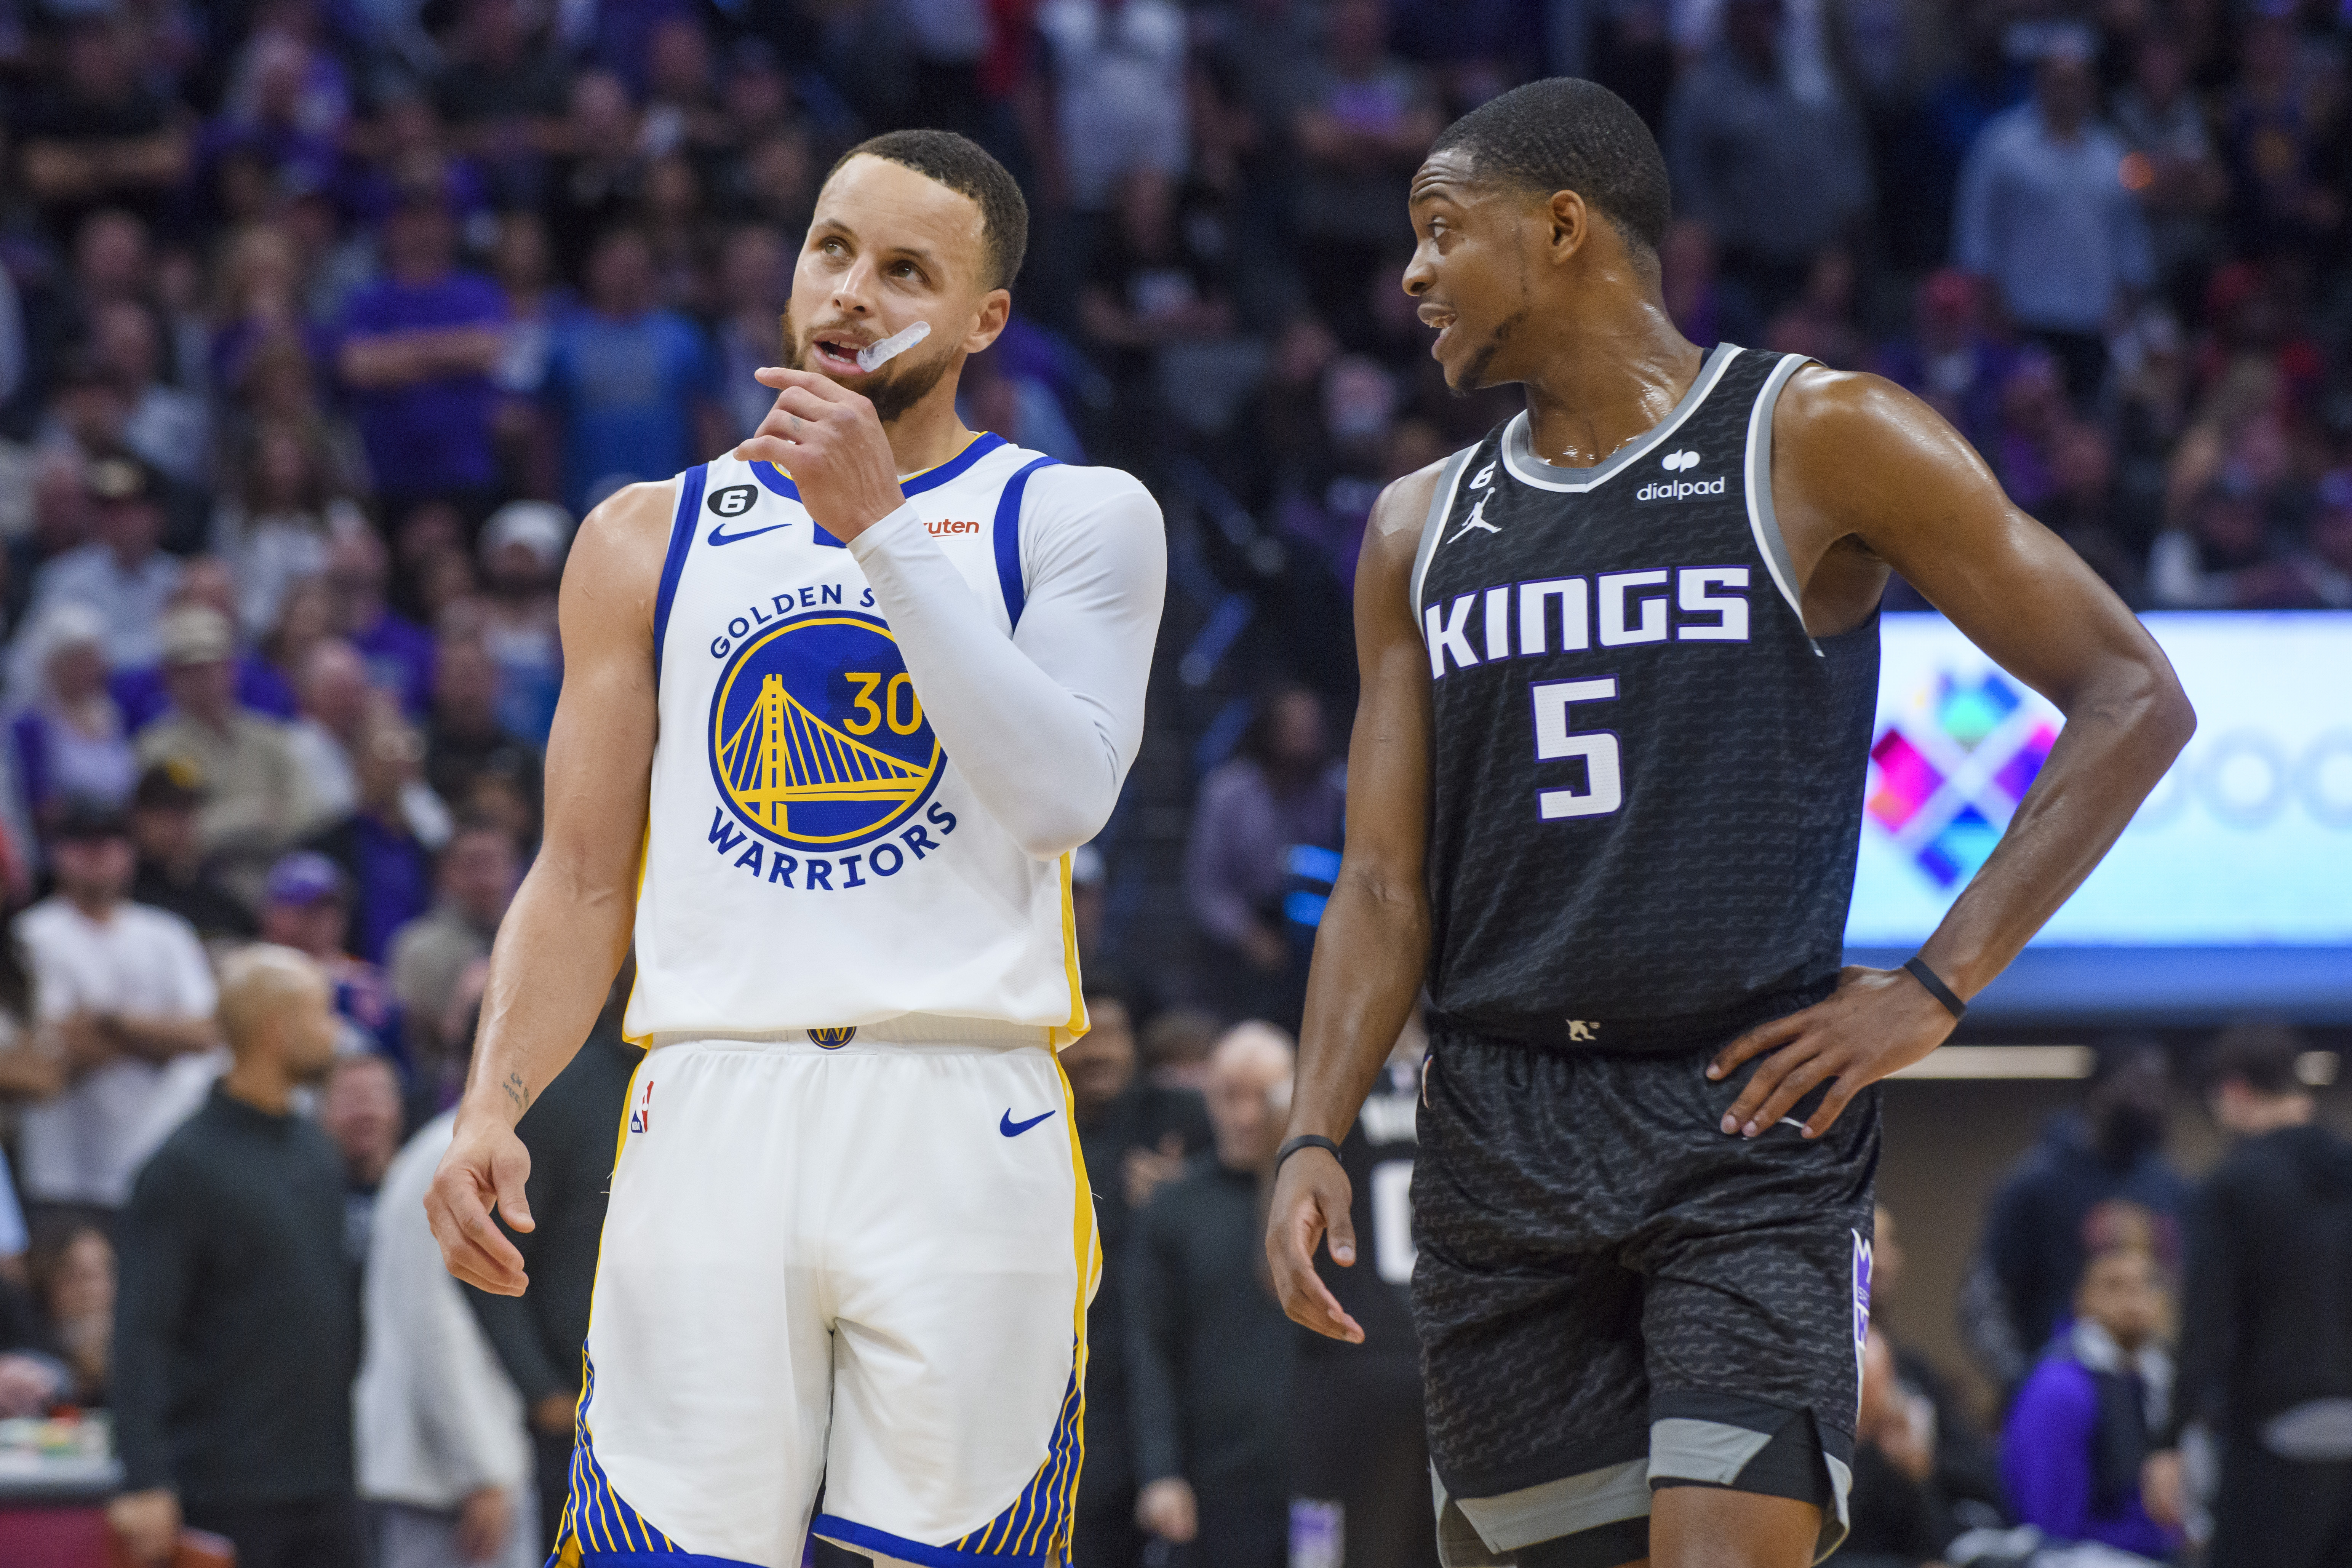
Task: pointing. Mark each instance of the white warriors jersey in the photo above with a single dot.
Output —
(812, 860)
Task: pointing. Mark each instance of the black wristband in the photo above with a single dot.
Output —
(1919, 970)
(1303, 1140)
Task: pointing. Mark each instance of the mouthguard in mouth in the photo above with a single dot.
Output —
(873, 356)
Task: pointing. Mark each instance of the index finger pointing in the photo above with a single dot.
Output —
(784, 378)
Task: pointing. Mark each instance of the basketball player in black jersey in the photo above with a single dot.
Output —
(1604, 795)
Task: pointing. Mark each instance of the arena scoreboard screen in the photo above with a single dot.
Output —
(2230, 890)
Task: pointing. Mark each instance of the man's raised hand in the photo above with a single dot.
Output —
(831, 441)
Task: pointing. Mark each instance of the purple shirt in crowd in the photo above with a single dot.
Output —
(428, 437)
(399, 655)
(2047, 1463)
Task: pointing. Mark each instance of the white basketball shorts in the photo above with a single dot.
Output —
(842, 1292)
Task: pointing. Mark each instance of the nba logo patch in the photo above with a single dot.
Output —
(641, 1115)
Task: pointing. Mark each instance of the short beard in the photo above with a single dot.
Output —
(1474, 374)
(896, 387)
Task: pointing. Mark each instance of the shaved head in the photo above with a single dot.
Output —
(262, 983)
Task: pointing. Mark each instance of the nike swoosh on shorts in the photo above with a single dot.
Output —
(1012, 1129)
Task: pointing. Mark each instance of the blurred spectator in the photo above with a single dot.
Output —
(632, 386)
(1774, 177)
(522, 560)
(1359, 1447)
(2046, 216)
(473, 762)
(1209, 1351)
(97, 131)
(2097, 1173)
(2081, 1428)
(417, 352)
(501, 93)
(539, 1335)
(274, 525)
(525, 271)
(361, 1110)
(308, 907)
(440, 1447)
(379, 846)
(1137, 1137)
(122, 574)
(474, 881)
(1114, 97)
(1176, 1047)
(1820, 322)
(253, 790)
(126, 989)
(755, 279)
(399, 653)
(73, 1275)
(2283, 142)
(2266, 1318)
(1150, 284)
(2230, 556)
(172, 873)
(599, 183)
(1364, 119)
(2170, 167)
(235, 1332)
(1281, 793)
(69, 742)
(163, 426)
(332, 684)
(144, 695)
(1949, 359)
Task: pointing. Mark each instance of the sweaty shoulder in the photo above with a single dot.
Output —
(1841, 419)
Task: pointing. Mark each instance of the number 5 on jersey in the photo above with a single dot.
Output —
(1603, 790)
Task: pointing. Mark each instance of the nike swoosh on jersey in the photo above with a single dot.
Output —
(1012, 1129)
(715, 537)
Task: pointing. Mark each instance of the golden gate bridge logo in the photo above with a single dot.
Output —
(818, 737)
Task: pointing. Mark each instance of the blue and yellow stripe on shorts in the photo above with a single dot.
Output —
(597, 1525)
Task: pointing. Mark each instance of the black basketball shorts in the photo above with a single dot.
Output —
(1613, 1296)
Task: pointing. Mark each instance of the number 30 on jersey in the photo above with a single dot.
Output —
(1557, 741)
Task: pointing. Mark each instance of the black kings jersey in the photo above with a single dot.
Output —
(1648, 779)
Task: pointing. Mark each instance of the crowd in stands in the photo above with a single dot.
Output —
(322, 323)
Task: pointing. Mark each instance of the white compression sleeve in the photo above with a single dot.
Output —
(1044, 725)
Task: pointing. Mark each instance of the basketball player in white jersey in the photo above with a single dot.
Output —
(836, 708)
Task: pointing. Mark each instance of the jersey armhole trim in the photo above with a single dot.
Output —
(1761, 522)
(681, 541)
(1010, 578)
(1441, 504)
